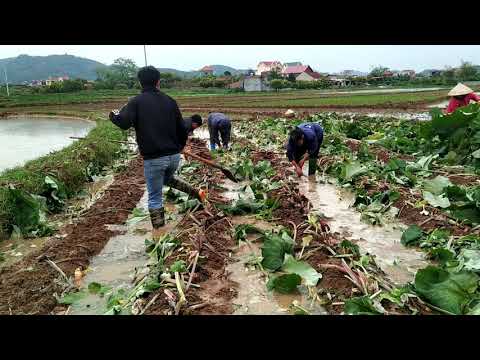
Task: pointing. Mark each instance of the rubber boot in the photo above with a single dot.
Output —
(185, 187)
(157, 217)
(312, 166)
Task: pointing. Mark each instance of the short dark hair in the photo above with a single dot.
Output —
(148, 76)
(296, 134)
(197, 119)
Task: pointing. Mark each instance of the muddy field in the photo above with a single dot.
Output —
(217, 258)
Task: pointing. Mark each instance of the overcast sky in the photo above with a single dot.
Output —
(323, 58)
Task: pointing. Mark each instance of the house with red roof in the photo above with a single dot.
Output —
(207, 70)
(294, 71)
(268, 66)
(308, 76)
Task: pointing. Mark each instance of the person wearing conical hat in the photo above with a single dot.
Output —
(460, 95)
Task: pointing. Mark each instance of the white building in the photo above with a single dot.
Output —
(267, 66)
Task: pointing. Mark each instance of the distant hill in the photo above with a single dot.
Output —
(26, 68)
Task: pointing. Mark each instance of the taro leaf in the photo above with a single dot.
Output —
(469, 215)
(395, 164)
(476, 154)
(178, 266)
(437, 185)
(475, 310)
(446, 125)
(27, 212)
(284, 284)
(152, 286)
(72, 297)
(451, 157)
(423, 163)
(397, 296)
(96, 288)
(441, 255)
(274, 249)
(242, 207)
(471, 259)
(456, 193)
(436, 200)
(352, 169)
(362, 305)
(412, 235)
(309, 275)
(438, 237)
(451, 292)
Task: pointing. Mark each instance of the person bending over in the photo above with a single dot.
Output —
(304, 144)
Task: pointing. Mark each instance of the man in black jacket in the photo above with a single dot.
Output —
(161, 136)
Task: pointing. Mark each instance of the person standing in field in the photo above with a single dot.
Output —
(219, 123)
(161, 136)
(193, 122)
(461, 95)
(304, 144)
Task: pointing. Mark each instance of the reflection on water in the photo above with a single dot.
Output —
(26, 138)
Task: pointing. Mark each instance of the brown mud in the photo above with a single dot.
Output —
(28, 286)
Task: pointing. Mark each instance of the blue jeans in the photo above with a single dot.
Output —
(159, 172)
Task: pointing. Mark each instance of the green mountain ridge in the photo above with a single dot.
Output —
(25, 68)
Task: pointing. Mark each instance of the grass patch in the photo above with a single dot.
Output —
(71, 167)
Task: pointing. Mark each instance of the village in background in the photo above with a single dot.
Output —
(268, 76)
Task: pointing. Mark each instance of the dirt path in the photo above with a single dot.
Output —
(28, 287)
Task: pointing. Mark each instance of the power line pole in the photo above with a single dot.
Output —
(6, 79)
(145, 53)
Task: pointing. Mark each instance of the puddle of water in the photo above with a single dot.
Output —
(399, 263)
(117, 263)
(26, 138)
(253, 297)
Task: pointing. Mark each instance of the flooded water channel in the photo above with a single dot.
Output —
(28, 137)
(398, 262)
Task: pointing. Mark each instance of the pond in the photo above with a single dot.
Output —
(25, 138)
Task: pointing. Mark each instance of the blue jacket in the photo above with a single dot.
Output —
(313, 138)
(218, 121)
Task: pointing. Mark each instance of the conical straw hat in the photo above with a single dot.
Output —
(459, 90)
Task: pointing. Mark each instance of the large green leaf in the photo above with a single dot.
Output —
(470, 259)
(469, 215)
(285, 284)
(360, 306)
(449, 291)
(412, 235)
(274, 249)
(475, 310)
(352, 169)
(436, 200)
(437, 185)
(446, 125)
(309, 275)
